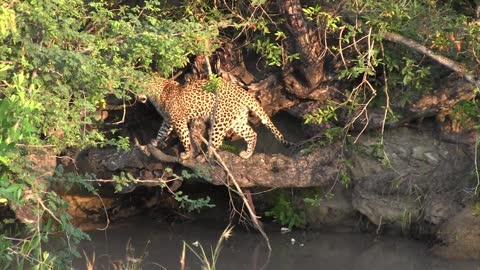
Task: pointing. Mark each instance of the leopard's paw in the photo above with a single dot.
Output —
(154, 142)
(245, 154)
(185, 155)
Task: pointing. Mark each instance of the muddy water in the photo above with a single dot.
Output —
(162, 245)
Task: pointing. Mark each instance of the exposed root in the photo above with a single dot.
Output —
(159, 155)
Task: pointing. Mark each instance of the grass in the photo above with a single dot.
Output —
(208, 261)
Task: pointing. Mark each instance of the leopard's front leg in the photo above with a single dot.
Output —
(242, 129)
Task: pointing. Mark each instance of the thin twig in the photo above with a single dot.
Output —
(123, 115)
(106, 212)
(476, 166)
(40, 201)
(155, 181)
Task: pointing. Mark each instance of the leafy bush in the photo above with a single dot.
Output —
(285, 212)
(58, 61)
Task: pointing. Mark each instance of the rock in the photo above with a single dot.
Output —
(393, 209)
(412, 179)
(335, 213)
(460, 235)
(439, 207)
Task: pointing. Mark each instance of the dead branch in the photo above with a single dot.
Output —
(246, 202)
(317, 168)
(447, 62)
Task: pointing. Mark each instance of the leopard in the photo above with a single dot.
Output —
(227, 108)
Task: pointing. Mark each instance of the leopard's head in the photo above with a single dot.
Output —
(156, 84)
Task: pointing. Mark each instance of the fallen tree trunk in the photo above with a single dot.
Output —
(318, 168)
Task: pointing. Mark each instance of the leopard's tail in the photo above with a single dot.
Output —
(265, 119)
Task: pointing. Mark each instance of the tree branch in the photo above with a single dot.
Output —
(318, 168)
(447, 62)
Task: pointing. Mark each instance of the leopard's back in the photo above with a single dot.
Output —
(183, 102)
(228, 109)
(231, 114)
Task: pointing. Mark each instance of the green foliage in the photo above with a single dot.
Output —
(199, 172)
(85, 52)
(284, 211)
(27, 246)
(436, 24)
(272, 51)
(322, 115)
(7, 21)
(313, 196)
(265, 37)
(123, 180)
(316, 14)
(192, 204)
(17, 179)
(364, 64)
(466, 113)
(58, 61)
(229, 148)
(369, 62)
(331, 135)
(345, 179)
(314, 201)
(203, 172)
(214, 83)
(377, 151)
(290, 208)
(408, 77)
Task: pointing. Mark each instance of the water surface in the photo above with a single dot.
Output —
(246, 250)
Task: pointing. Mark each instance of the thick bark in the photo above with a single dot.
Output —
(270, 93)
(231, 66)
(442, 100)
(302, 80)
(439, 103)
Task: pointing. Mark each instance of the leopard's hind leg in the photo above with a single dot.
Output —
(183, 132)
(162, 133)
(222, 123)
(244, 130)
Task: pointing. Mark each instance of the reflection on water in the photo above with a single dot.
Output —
(247, 250)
